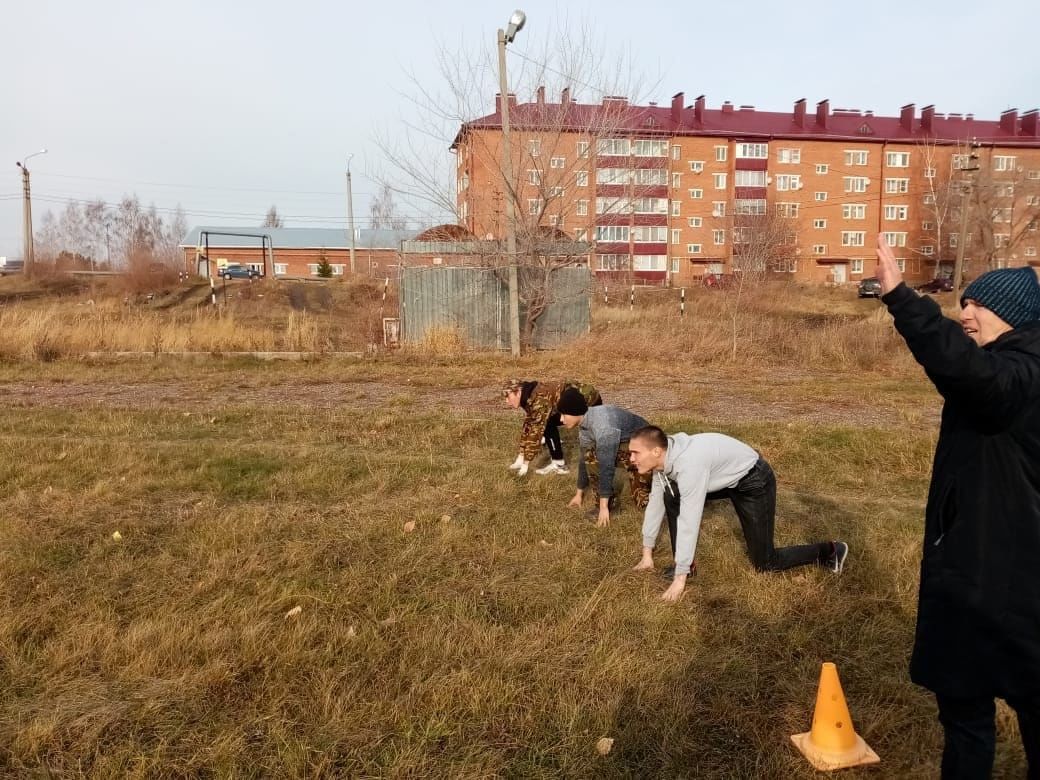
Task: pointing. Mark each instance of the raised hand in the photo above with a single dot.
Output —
(888, 272)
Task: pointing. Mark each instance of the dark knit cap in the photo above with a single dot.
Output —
(572, 402)
(1013, 294)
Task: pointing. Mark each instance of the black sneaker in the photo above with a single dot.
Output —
(668, 572)
(836, 560)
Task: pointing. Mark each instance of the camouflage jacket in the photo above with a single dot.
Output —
(539, 404)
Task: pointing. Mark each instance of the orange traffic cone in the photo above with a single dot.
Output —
(833, 743)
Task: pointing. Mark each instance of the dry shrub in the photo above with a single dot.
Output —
(440, 342)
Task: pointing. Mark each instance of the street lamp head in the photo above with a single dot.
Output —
(28, 156)
(516, 24)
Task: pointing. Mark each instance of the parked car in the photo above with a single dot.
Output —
(870, 288)
(238, 272)
(937, 285)
(10, 266)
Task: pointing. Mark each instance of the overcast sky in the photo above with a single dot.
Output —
(227, 108)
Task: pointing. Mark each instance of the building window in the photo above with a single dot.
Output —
(675, 235)
(649, 234)
(749, 179)
(854, 211)
(789, 210)
(581, 234)
(819, 224)
(822, 168)
(693, 249)
(960, 161)
(696, 194)
(719, 179)
(583, 148)
(897, 159)
(895, 212)
(581, 178)
(895, 239)
(676, 149)
(1006, 190)
(1034, 175)
(819, 196)
(901, 263)
(718, 208)
(819, 249)
(534, 176)
(582, 208)
(753, 206)
(557, 162)
(719, 237)
(613, 262)
(696, 222)
(534, 147)
(1030, 251)
(555, 220)
(855, 183)
(676, 208)
(648, 148)
(1002, 163)
(676, 181)
(927, 226)
(929, 199)
(853, 238)
(896, 186)
(675, 265)
(534, 206)
(613, 147)
(855, 157)
(856, 266)
(696, 166)
(787, 181)
(612, 233)
(1033, 200)
(281, 269)
(929, 173)
(954, 237)
(720, 153)
(927, 250)
(792, 156)
(555, 192)
(752, 151)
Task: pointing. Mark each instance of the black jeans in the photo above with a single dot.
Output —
(969, 726)
(754, 499)
(552, 436)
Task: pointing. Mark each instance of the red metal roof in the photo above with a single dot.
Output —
(746, 122)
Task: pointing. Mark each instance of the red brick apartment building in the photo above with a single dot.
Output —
(668, 194)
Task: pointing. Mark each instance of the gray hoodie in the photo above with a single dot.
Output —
(605, 427)
(700, 464)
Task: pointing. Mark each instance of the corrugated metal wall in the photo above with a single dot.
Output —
(476, 301)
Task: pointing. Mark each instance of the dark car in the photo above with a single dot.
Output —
(937, 285)
(870, 288)
(238, 272)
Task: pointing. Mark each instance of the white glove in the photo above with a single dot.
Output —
(518, 462)
(522, 471)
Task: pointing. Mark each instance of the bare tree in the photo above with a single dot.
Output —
(383, 211)
(272, 219)
(551, 184)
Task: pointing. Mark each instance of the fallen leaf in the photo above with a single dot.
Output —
(445, 518)
(351, 632)
(294, 611)
(544, 543)
(116, 535)
(409, 526)
(63, 455)
(604, 745)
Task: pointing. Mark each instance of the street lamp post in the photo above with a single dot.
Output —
(350, 217)
(27, 236)
(516, 23)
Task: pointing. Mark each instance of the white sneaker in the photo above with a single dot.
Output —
(554, 467)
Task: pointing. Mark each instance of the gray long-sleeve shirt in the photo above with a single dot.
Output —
(605, 427)
(699, 464)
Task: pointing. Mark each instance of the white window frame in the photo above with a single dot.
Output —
(819, 224)
(718, 236)
(896, 213)
(534, 147)
(676, 208)
(819, 197)
(787, 209)
(819, 249)
(789, 156)
(696, 166)
(693, 249)
(897, 159)
(718, 208)
(822, 168)
(895, 238)
(856, 184)
(786, 182)
(676, 151)
(856, 157)
(720, 153)
(751, 151)
(581, 208)
(897, 186)
(696, 222)
(854, 211)
(719, 180)
(853, 238)
(581, 178)
(696, 193)
(583, 149)
(534, 176)
(1003, 162)
(676, 181)
(676, 236)
(856, 265)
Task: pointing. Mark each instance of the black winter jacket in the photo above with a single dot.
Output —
(978, 617)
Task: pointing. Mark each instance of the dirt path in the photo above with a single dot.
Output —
(713, 399)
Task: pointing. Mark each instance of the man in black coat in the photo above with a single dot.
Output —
(978, 617)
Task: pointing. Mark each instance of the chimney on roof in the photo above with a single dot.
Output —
(1008, 120)
(698, 109)
(747, 108)
(727, 108)
(823, 110)
(677, 103)
(540, 96)
(565, 96)
(1029, 123)
(906, 117)
(927, 118)
(799, 113)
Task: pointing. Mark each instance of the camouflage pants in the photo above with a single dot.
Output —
(638, 484)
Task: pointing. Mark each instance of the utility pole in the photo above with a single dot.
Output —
(962, 237)
(516, 23)
(28, 256)
(350, 217)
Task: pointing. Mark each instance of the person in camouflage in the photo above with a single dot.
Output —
(538, 401)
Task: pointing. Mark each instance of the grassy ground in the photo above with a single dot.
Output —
(502, 635)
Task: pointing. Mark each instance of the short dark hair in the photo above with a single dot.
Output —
(652, 435)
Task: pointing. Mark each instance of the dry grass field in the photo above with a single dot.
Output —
(324, 568)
